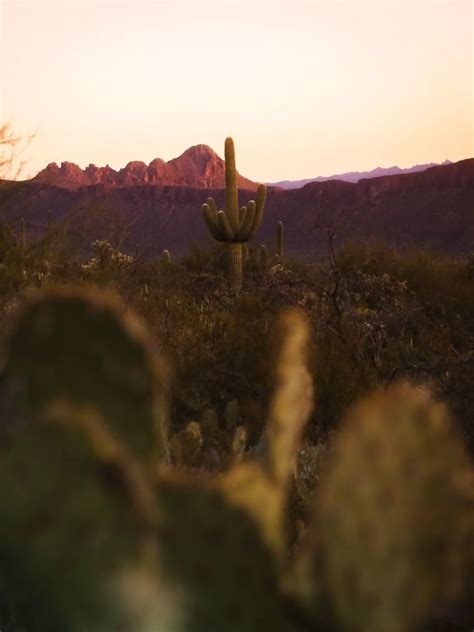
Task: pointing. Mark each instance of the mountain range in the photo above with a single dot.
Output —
(159, 206)
(355, 176)
(199, 167)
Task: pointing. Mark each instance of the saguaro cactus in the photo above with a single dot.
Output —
(280, 242)
(234, 226)
(165, 257)
(22, 233)
(263, 256)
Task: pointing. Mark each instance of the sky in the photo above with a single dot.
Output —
(305, 89)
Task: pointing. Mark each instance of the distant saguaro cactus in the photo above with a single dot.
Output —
(280, 242)
(234, 226)
(50, 221)
(165, 257)
(22, 233)
(263, 256)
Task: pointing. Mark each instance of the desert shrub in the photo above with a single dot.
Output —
(376, 316)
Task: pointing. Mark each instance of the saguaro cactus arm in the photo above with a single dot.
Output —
(224, 225)
(247, 222)
(260, 204)
(211, 221)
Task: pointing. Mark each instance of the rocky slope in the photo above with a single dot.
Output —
(198, 167)
(433, 208)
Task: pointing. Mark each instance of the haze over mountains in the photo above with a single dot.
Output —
(355, 176)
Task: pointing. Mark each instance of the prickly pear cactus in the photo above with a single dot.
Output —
(224, 541)
(234, 226)
(395, 513)
(88, 528)
(239, 443)
(232, 414)
(78, 505)
(261, 487)
(209, 421)
(186, 445)
(81, 346)
(69, 527)
(214, 552)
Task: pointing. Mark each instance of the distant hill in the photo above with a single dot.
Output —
(355, 176)
(427, 209)
(198, 167)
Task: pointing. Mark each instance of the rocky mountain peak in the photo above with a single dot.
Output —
(199, 167)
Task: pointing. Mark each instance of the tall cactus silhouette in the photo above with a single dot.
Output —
(280, 242)
(234, 226)
(22, 234)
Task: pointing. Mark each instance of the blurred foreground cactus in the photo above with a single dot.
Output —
(234, 226)
(84, 507)
(99, 532)
(83, 347)
(395, 514)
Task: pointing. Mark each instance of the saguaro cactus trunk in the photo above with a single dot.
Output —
(235, 263)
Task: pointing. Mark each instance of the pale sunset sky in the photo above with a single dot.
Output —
(305, 89)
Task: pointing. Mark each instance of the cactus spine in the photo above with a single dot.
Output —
(280, 242)
(234, 226)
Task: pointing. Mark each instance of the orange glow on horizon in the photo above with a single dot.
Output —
(305, 89)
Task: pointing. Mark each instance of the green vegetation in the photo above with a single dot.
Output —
(165, 464)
